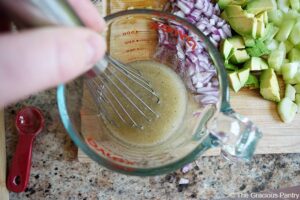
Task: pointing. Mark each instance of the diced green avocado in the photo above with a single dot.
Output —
(239, 56)
(240, 2)
(254, 28)
(260, 31)
(230, 66)
(223, 3)
(234, 81)
(224, 16)
(290, 92)
(243, 75)
(226, 47)
(287, 110)
(233, 11)
(249, 41)
(269, 87)
(288, 46)
(237, 42)
(256, 64)
(252, 82)
(294, 55)
(260, 17)
(258, 6)
(242, 25)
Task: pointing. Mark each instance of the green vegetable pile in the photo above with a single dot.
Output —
(265, 46)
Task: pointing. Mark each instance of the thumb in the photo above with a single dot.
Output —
(31, 61)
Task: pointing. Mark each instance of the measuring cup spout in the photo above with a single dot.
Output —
(237, 135)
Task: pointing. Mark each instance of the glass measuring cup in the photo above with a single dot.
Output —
(131, 36)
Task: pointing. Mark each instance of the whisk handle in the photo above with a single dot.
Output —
(36, 13)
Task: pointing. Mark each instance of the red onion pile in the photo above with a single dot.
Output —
(195, 65)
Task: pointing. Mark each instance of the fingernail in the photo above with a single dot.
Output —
(95, 45)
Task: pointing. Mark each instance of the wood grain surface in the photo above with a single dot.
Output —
(3, 190)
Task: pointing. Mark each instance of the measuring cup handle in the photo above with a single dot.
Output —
(236, 134)
(19, 171)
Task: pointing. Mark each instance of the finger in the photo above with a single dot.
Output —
(35, 60)
(88, 14)
(4, 22)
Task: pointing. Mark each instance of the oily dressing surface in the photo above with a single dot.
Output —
(171, 107)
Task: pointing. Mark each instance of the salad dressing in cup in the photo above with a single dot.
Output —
(162, 146)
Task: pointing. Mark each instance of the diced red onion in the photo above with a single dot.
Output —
(195, 64)
(185, 6)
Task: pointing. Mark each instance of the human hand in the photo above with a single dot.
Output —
(34, 60)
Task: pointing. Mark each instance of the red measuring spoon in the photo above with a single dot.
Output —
(29, 123)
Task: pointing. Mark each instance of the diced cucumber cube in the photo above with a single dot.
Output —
(289, 71)
(295, 34)
(294, 55)
(277, 57)
(287, 110)
(283, 5)
(270, 32)
(275, 16)
(288, 46)
(285, 30)
(297, 88)
(295, 4)
(291, 14)
(272, 44)
(290, 92)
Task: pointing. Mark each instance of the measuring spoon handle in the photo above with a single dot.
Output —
(19, 171)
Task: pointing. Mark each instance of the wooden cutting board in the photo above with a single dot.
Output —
(277, 136)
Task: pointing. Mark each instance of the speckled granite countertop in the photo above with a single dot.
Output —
(56, 174)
